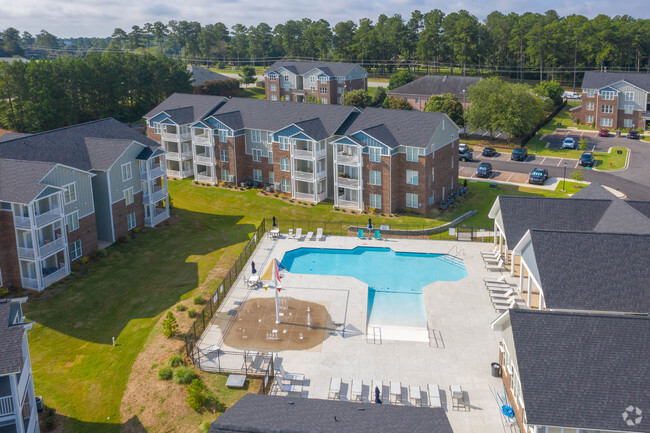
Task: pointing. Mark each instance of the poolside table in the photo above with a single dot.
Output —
(236, 381)
(457, 397)
(275, 233)
(253, 281)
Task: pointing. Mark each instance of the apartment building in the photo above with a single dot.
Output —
(326, 81)
(169, 124)
(418, 92)
(64, 192)
(18, 412)
(614, 100)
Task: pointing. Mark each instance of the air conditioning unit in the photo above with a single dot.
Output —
(231, 178)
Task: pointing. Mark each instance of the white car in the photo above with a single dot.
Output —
(569, 143)
(463, 147)
(571, 95)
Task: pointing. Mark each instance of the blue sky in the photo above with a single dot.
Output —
(71, 18)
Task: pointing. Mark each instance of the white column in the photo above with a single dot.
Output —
(521, 275)
(494, 241)
(530, 296)
(541, 300)
(512, 269)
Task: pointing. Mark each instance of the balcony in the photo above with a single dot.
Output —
(23, 222)
(186, 155)
(203, 178)
(51, 247)
(174, 156)
(29, 283)
(26, 253)
(200, 139)
(303, 196)
(203, 159)
(343, 158)
(321, 174)
(304, 175)
(155, 197)
(303, 154)
(54, 276)
(154, 172)
(48, 217)
(346, 182)
(348, 204)
(173, 173)
(6, 405)
(160, 216)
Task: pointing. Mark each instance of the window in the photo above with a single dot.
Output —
(75, 250)
(627, 123)
(70, 193)
(271, 177)
(274, 87)
(374, 178)
(607, 96)
(590, 106)
(323, 90)
(312, 89)
(185, 130)
(256, 136)
(225, 175)
(126, 172)
(340, 79)
(589, 118)
(286, 78)
(431, 199)
(590, 93)
(223, 136)
(284, 164)
(323, 101)
(412, 154)
(411, 177)
(417, 100)
(411, 200)
(274, 97)
(312, 79)
(257, 175)
(629, 96)
(270, 157)
(128, 196)
(257, 155)
(375, 154)
(157, 128)
(606, 121)
(223, 155)
(375, 201)
(628, 109)
(285, 186)
(608, 109)
(273, 77)
(72, 221)
(339, 90)
(130, 221)
(284, 143)
(322, 79)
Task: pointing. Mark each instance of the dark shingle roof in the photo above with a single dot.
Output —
(597, 80)
(641, 206)
(241, 113)
(436, 85)
(193, 107)
(12, 135)
(19, 179)
(201, 75)
(87, 146)
(273, 414)
(399, 127)
(11, 340)
(593, 271)
(331, 69)
(582, 370)
(594, 191)
(620, 217)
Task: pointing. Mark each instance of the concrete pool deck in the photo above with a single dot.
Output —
(460, 350)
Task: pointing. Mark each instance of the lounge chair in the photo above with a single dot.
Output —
(492, 251)
(298, 234)
(504, 306)
(395, 391)
(501, 279)
(377, 384)
(457, 397)
(309, 236)
(434, 396)
(290, 235)
(335, 388)
(319, 233)
(498, 267)
(357, 388)
(291, 376)
(377, 235)
(491, 260)
(288, 388)
(505, 295)
(415, 395)
(493, 289)
(361, 234)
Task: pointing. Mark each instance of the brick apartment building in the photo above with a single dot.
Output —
(388, 160)
(326, 81)
(418, 92)
(65, 192)
(613, 100)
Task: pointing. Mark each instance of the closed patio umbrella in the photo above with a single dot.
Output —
(253, 266)
(377, 393)
(273, 221)
(369, 223)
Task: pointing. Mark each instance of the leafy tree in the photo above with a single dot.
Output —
(582, 143)
(311, 99)
(10, 43)
(448, 104)
(399, 79)
(247, 74)
(239, 41)
(343, 40)
(160, 32)
(577, 175)
(170, 325)
(357, 98)
(551, 90)
(229, 87)
(378, 97)
(395, 103)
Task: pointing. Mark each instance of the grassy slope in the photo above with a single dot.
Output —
(252, 92)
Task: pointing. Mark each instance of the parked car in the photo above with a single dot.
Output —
(587, 159)
(463, 147)
(538, 176)
(571, 95)
(484, 170)
(569, 143)
(519, 154)
(633, 134)
(465, 155)
(489, 151)
(603, 132)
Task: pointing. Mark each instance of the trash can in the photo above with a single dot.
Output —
(496, 369)
(39, 403)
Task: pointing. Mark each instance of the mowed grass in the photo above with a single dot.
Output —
(611, 160)
(252, 92)
(78, 371)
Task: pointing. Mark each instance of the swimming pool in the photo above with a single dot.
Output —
(395, 281)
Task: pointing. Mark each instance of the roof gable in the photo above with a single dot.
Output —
(598, 80)
(436, 85)
(196, 106)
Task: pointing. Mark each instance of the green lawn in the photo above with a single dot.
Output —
(564, 118)
(611, 160)
(77, 369)
(570, 186)
(252, 92)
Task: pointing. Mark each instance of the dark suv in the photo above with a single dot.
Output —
(587, 159)
(484, 170)
(633, 134)
(538, 176)
(519, 154)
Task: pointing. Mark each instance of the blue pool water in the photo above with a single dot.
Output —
(395, 279)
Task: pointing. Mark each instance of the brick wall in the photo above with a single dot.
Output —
(636, 118)
(444, 172)
(277, 156)
(383, 189)
(87, 232)
(600, 115)
(359, 83)
(120, 212)
(243, 161)
(267, 88)
(9, 265)
(152, 135)
(230, 165)
(400, 188)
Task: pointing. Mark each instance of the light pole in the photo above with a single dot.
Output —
(564, 181)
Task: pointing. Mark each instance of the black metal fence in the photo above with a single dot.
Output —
(341, 228)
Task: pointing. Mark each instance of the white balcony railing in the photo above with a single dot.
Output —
(6, 405)
(175, 156)
(322, 196)
(348, 204)
(48, 217)
(54, 276)
(186, 155)
(321, 174)
(347, 182)
(160, 217)
(29, 283)
(322, 152)
(155, 197)
(203, 178)
(203, 159)
(23, 222)
(156, 171)
(303, 154)
(173, 173)
(169, 136)
(304, 175)
(343, 158)
(51, 247)
(26, 253)
(198, 139)
(303, 196)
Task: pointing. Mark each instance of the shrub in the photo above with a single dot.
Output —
(196, 395)
(76, 267)
(3, 292)
(205, 427)
(84, 260)
(170, 325)
(196, 182)
(183, 375)
(192, 314)
(176, 360)
(221, 65)
(137, 229)
(165, 373)
(49, 422)
(199, 300)
(181, 307)
(275, 195)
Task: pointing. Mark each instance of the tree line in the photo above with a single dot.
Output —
(511, 44)
(47, 94)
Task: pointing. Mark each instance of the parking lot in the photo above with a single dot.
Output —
(594, 142)
(497, 176)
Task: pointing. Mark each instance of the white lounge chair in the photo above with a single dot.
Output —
(309, 236)
(319, 233)
(291, 376)
(290, 235)
(501, 306)
(492, 251)
(492, 260)
(501, 279)
(499, 289)
(505, 295)
(298, 234)
(288, 388)
(490, 255)
(377, 384)
(415, 395)
(357, 388)
(335, 388)
(498, 267)
(434, 396)
(395, 391)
